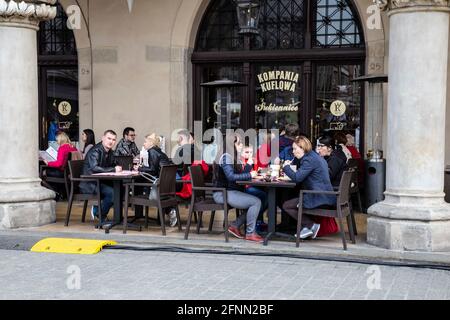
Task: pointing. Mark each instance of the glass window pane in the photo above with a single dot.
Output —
(281, 26)
(335, 25)
(221, 104)
(338, 99)
(54, 36)
(278, 95)
(62, 103)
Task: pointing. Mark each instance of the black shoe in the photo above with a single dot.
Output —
(58, 197)
(282, 227)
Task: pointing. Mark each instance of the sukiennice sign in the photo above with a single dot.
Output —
(263, 106)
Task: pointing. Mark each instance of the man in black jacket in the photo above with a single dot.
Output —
(127, 146)
(100, 159)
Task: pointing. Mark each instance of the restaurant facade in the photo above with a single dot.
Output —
(160, 66)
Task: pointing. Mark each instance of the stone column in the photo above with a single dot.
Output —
(23, 202)
(414, 215)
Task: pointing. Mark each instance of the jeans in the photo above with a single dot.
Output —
(261, 196)
(107, 196)
(241, 200)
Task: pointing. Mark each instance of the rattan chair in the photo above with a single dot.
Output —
(354, 190)
(166, 197)
(202, 203)
(75, 170)
(75, 155)
(343, 208)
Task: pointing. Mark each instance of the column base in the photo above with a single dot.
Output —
(25, 204)
(409, 234)
(27, 214)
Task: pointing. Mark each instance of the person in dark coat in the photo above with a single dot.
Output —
(100, 159)
(312, 174)
(291, 131)
(151, 164)
(156, 157)
(335, 157)
(127, 146)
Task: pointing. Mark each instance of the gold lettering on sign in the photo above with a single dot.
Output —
(278, 80)
(263, 106)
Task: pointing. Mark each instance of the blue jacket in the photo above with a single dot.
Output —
(285, 143)
(228, 174)
(287, 154)
(313, 175)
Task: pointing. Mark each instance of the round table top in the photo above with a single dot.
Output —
(281, 183)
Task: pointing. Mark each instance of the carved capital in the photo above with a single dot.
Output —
(412, 4)
(26, 13)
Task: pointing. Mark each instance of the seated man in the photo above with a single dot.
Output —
(184, 155)
(127, 145)
(100, 159)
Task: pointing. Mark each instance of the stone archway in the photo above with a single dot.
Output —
(190, 13)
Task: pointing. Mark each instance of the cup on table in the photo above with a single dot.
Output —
(275, 170)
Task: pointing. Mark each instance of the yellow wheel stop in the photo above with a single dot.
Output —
(71, 246)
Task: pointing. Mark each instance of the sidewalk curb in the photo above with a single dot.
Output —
(362, 253)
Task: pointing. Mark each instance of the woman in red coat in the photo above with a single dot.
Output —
(65, 148)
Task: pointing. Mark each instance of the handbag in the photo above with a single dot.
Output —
(153, 194)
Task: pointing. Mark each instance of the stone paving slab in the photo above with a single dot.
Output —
(151, 275)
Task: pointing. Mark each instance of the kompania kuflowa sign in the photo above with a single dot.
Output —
(278, 81)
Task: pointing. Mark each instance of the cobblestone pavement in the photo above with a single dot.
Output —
(173, 276)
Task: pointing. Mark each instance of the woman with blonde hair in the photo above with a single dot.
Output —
(153, 161)
(156, 157)
(56, 168)
(65, 148)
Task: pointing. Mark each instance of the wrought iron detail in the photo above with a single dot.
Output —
(336, 25)
(220, 28)
(55, 38)
(282, 26)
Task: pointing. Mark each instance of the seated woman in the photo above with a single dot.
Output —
(227, 173)
(88, 138)
(247, 158)
(152, 163)
(56, 168)
(65, 148)
(335, 157)
(156, 158)
(313, 175)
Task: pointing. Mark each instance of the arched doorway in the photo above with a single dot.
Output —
(298, 69)
(58, 80)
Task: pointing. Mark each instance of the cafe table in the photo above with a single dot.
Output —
(118, 179)
(271, 187)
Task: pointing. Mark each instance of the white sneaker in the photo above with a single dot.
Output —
(315, 229)
(173, 218)
(94, 213)
(305, 233)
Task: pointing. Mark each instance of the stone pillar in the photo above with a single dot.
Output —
(414, 215)
(23, 202)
